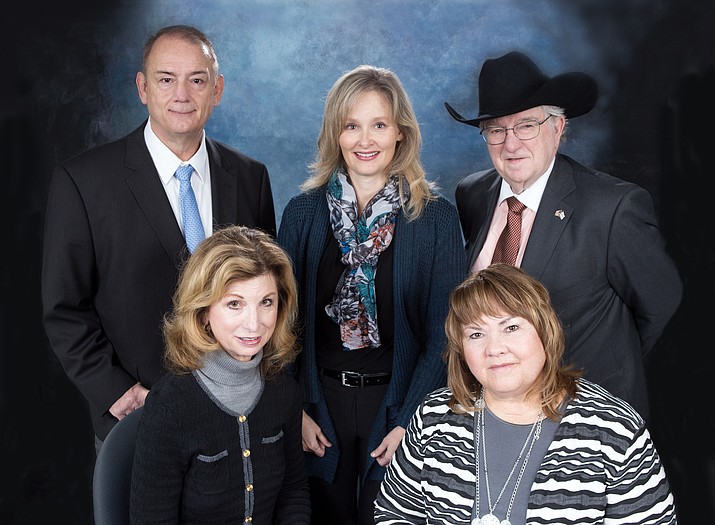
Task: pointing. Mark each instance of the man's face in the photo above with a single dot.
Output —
(179, 89)
(521, 162)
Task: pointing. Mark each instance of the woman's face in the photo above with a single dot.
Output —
(505, 354)
(243, 319)
(369, 138)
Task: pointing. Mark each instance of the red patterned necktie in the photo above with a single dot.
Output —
(507, 246)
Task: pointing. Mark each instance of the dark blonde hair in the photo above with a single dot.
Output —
(502, 289)
(406, 164)
(235, 253)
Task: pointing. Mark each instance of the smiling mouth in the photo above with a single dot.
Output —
(500, 366)
(366, 156)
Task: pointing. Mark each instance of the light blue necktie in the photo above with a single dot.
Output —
(190, 218)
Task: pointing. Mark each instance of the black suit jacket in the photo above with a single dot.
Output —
(604, 264)
(112, 254)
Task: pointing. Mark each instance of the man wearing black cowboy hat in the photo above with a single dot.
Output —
(590, 238)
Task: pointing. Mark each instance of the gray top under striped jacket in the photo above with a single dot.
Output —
(601, 468)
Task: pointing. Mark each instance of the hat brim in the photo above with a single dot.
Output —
(575, 92)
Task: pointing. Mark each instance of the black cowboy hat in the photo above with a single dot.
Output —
(513, 83)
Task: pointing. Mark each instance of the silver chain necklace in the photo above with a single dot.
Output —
(479, 435)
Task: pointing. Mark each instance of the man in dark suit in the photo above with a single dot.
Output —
(113, 240)
(590, 238)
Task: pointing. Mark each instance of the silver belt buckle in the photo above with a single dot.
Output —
(344, 378)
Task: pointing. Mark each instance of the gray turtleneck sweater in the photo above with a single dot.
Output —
(234, 385)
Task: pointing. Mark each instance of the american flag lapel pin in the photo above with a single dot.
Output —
(560, 214)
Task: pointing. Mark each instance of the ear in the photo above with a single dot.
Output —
(141, 86)
(218, 90)
(559, 124)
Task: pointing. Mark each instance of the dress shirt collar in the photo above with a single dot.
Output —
(166, 162)
(530, 197)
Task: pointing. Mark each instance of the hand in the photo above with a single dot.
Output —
(384, 452)
(129, 402)
(313, 438)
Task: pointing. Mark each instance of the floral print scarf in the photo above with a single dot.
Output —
(362, 238)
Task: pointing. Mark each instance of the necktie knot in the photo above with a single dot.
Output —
(515, 205)
(183, 173)
(190, 217)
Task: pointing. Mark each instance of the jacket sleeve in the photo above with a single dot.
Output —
(638, 485)
(400, 499)
(442, 266)
(288, 232)
(639, 267)
(293, 502)
(68, 289)
(157, 473)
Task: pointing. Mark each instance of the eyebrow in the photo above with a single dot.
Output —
(519, 121)
(505, 320)
(173, 74)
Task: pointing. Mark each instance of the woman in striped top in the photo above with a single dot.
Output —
(516, 437)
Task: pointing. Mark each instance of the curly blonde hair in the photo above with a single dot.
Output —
(235, 253)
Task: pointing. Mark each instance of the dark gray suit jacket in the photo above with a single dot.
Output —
(611, 280)
(112, 254)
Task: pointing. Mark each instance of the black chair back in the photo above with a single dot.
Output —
(111, 482)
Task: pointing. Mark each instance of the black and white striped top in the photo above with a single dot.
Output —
(601, 468)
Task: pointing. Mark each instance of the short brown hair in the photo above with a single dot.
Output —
(494, 291)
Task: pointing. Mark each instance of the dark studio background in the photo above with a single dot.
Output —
(69, 85)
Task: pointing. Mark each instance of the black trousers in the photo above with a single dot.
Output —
(347, 501)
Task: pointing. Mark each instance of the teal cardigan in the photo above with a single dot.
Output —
(429, 261)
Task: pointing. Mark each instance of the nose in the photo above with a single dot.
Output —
(181, 91)
(365, 137)
(252, 320)
(495, 346)
(511, 140)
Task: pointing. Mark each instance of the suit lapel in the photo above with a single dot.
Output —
(552, 217)
(481, 209)
(223, 188)
(144, 183)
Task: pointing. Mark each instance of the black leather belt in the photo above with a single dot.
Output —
(356, 379)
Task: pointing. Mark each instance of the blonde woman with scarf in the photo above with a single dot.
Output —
(376, 252)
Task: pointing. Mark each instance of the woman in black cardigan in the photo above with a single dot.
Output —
(220, 437)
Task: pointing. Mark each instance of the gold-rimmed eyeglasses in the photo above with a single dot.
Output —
(527, 130)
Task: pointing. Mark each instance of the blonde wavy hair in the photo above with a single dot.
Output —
(235, 253)
(406, 164)
(497, 290)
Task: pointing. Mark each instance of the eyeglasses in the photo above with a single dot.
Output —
(527, 130)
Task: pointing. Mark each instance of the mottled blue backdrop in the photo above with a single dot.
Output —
(69, 85)
(279, 59)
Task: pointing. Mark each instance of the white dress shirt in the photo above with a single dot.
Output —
(530, 197)
(167, 163)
